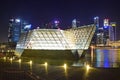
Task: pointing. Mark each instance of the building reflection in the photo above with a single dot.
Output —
(106, 58)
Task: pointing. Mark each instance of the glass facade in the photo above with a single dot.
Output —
(14, 31)
(55, 39)
(16, 27)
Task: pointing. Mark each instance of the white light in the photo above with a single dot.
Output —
(56, 22)
(11, 59)
(74, 21)
(28, 26)
(106, 22)
(96, 17)
(17, 20)
(87, 67)
(19, 60)
(46, 64)
(38, 27)
(12, 20)
(65, 66)
(30, 62)
(4, 58)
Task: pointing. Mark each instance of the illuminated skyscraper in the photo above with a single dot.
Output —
(99, 32)
(109, 31)
(112, 31)
(96, 22)
(56, 24)
(74, 23)
(14, 30)
(102, 32)
(16, 27)
(106, 23)
(106, 28)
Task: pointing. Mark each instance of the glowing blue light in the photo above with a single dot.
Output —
(28, 26)
(106, 59)
(96, 17)
(105, 27)
(74, 21)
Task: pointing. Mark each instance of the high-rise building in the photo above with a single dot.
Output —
(14, 30)
(109, 31)
(74, 23)
(106, 28)
(96, 22)
(106, 33)
(112, 31)
(16, 27)
(99, 32)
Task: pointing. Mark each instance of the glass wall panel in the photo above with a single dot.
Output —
(54, 39)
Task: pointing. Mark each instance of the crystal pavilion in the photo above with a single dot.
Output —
(73, 40)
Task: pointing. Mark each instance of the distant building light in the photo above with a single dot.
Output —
(96, 17)
(98, 34)
(12, 20)
(74, 23)
(17, 20)
(113, 24)
(59, 29)
(106, 22)
(56, 22)
(101, 28)
(28, 26)
(38, 27)
(105, 27)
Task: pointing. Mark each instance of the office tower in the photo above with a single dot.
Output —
(96, 22)
(99, 32)
(16, 27)
(74, 23)
(14, 30)
(106, 28)
(112, 31)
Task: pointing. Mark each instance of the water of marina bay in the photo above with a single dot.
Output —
(107, 58)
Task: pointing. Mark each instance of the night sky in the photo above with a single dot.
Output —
(37, 12)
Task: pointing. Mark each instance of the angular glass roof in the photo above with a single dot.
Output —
(56, 39)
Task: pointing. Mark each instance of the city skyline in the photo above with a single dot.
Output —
(38, 12)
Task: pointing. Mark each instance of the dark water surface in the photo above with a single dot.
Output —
(108, 58)
(103, 61)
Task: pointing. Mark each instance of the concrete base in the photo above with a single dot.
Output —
(49, 54)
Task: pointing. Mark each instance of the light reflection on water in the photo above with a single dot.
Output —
(107, 58)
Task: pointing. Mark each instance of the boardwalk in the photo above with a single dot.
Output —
(12, 71)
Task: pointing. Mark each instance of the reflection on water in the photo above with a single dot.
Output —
(107, 57)
(101, 58)
(80, 63)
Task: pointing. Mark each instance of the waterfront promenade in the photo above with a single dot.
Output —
(15, 71)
